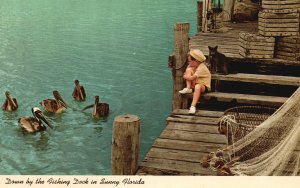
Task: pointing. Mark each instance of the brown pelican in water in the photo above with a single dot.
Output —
(34, 124)
(79, 92)
(10, 104)
(56, 105)
(99, 109)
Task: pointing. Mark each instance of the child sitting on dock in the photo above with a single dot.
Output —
(197, 77)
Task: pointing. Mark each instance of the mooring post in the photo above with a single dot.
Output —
(125, 144)
(199, 15)
(181, 31)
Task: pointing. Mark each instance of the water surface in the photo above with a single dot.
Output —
(118, 49)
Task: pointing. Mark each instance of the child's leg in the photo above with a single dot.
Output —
(199, 88)
(190, 83)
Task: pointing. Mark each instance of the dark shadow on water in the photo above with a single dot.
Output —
(42, 143)
(10, 115)
(95, 120)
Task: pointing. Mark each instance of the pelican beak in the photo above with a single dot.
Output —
(61, 100)
(41, 116)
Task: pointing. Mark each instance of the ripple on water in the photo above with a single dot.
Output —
(120, 56)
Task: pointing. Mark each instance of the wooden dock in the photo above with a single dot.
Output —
(181, 146)
(186, 139)
(227, 42)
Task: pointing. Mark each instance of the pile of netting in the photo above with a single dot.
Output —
(263, 149)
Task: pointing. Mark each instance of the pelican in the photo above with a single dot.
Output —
(56, 105)
(34, 124)
(10, 104)
(79, 92)
(99, 109)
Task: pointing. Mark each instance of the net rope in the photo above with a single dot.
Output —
(270, 148)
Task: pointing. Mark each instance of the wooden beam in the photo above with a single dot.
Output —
(247, 99)
(257, 78)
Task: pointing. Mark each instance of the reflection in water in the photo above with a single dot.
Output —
(42, 142)
(10, 116)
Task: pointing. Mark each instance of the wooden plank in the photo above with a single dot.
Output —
(246, 98)
(252, 45)
(273, 61)
(269, 15)
(258, 56)
(193, 136)
(281, 44)
(257, 78)
(294, 6)
(288, 58)
(291, 54)
(256, 38)
(292, 40)
(288, 10)
(259, 51)
(280, 2)
(192, 119)
(274, 33)
(188, 145)
(272, 21)
(279, 29)
(157, 166)
(278, 25)
(161, 153)
(256, 47)
(193, 127)
(205, 113)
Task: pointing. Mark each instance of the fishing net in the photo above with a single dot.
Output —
(260, 144)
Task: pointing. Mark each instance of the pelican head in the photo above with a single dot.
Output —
(97, 99)
(76, 82)
(7, 94)
(39, 116)
(59, 98)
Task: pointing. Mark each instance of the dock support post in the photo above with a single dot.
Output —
(181, 32)
(199, 15)
(125, 144)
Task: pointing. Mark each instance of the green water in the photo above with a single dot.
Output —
(118, 49)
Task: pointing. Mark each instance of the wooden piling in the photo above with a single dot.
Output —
(181, 32)
(125, 144)
(199, 15)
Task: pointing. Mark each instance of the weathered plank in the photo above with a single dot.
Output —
(204, 113)
(287, 10)
(292, 7)
(272, 21)
(257, 56)
(179, 155)
(192, 119)
(288, 57)
(188, 145)
(247, 98)
(193, 127)
(278, 25)
(269, 15)
(193, 136)
(279, 29)
(156, 166)
(257, 78)
(255, 45)
(277, 33)
(257, 51)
